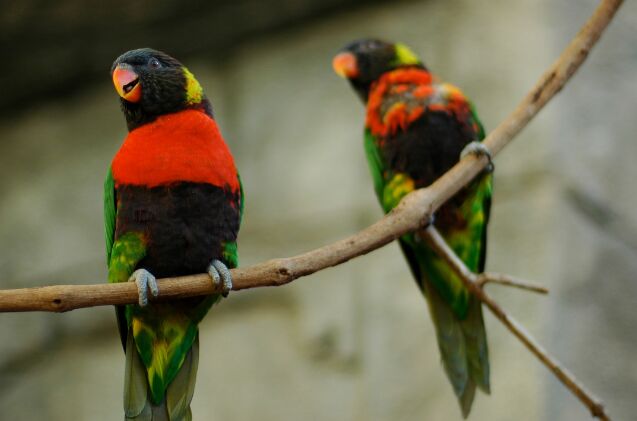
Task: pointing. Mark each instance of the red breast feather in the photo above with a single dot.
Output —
(183, 146)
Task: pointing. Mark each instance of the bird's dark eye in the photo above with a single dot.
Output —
(154, 63)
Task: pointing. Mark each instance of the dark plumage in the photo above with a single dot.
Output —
(409, 151)
(189, 222)
(164, 87)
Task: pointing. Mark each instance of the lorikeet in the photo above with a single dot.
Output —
(172, 204)
(415, 130)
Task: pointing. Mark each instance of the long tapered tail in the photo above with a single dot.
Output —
(176, 404)
(463, 347)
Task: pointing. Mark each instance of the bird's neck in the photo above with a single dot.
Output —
(137, 117)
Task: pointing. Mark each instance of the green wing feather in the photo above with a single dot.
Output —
(375, 163)
(230, 255)
(135, 383)
(241, 199)
(110, 214)
(110, 218)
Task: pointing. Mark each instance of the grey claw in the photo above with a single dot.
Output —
(152, 285)
(145, 281)
(478, 148)
(220, 272)
(214, 274)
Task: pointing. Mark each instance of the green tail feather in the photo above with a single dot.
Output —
(476, 342)
(463, 347)
(176, 404)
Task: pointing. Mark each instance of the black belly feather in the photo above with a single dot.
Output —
(429, 147)
(185, 224)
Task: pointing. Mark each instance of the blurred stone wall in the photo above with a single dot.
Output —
(354, 342)
(591, 319)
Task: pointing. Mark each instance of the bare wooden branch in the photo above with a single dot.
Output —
(485, 278)
(435, 240)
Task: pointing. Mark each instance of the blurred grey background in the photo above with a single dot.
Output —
(353, 342)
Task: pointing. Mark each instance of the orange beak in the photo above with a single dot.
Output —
(126, 83)
(345, 65)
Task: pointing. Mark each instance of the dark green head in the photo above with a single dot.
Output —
(364, 61)
(151, 83)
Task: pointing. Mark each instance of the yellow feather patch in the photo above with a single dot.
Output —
(160, 343)
(405, 56)
(137, 325)
(398, 187)
(194, 92)
(159, 363)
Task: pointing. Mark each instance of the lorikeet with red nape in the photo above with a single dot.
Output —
(416, 129)
(172, 205)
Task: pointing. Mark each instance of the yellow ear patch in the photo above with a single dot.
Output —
(404, 55)
(194, 92)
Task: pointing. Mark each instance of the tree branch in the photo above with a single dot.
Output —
(411, 214)
(509, 281)
(471, 281)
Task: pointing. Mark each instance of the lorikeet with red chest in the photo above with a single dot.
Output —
(415, 130)
(172, 204)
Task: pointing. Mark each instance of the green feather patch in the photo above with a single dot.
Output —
(126, 252)
(375, 163)
(230, 255)
(110, 213)
(162, 342)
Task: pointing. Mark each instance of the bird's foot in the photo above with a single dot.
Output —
(145, 281)
(479, 149)
(220, 274)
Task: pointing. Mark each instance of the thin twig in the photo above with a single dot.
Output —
(509, 281)
(435, 240)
